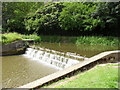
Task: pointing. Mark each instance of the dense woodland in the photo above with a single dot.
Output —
(62, 18)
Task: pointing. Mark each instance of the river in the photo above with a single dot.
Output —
(19, 70)
(83, 50)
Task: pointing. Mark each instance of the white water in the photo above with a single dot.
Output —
(53, 60)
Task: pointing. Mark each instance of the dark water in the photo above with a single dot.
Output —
(83, 50)
(19, 70)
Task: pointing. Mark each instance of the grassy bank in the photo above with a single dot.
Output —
(98, 77)
(98, 40)
(11, 37)
(90, 40)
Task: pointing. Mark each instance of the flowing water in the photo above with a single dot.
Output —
(19, 70)
(50, 59)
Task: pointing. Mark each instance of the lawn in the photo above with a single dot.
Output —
(98, 77)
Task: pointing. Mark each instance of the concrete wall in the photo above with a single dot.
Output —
(17, 47)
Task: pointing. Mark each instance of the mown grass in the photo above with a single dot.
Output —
(98, 77)
(11, 37)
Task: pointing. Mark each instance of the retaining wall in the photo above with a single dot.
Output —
(17, 47)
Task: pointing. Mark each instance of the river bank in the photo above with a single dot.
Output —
(77, 41)
(91, 40)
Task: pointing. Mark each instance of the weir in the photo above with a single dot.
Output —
(53, 59)
(104, 57)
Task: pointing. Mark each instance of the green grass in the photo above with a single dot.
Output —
(98, 40)
(11, 37)
(89, 40)
(34, 37)
(98, 77)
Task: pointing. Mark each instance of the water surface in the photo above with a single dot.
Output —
(83, 50)
(19, 70)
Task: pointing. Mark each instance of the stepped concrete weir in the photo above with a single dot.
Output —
(69, 68)
(53, 59)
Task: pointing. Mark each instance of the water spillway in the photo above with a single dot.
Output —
(19, 70)
(51, 59)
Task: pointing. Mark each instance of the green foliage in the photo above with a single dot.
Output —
(109, 15)
(9, 37)
(57, 17)
(78, 16)
(45, 18)
(61, 18)
(87, 40)
(97, 40)
(14, 13)
(33, 36)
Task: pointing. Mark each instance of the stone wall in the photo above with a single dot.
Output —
(17, 47)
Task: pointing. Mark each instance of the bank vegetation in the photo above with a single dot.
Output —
(89, 40)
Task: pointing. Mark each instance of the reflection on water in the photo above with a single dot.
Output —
(19, 70)
(83, 50)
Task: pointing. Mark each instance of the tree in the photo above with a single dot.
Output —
(13, 14)
(45, 20)
(77, 16)
(109, 15)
